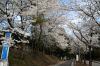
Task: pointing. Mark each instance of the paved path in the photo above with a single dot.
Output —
(96, 63)
(66, 63)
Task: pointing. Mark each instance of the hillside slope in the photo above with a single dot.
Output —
(17, 58)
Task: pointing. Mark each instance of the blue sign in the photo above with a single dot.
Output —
(5, 51)
(7, 35)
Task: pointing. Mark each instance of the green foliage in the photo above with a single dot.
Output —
(62, 52)
(95, 54)
(39, 19)
(67, 51)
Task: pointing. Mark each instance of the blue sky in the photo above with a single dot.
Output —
(72, 15)
(98, 19)
(68, 2)
(65, 2)
(3, 24)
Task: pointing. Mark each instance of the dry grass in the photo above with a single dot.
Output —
(31, 59)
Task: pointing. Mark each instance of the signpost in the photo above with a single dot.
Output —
(7, 36)
(5, 49)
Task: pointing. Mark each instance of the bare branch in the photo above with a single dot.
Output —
(80, 38)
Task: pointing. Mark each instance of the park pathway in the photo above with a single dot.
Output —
(95, 63)
(66, 63)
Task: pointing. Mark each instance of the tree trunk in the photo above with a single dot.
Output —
(84, 60)
(90, 57)
(39, 39)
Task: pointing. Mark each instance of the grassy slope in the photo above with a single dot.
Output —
(30, 59)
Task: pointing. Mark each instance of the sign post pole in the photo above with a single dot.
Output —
(5, 49)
